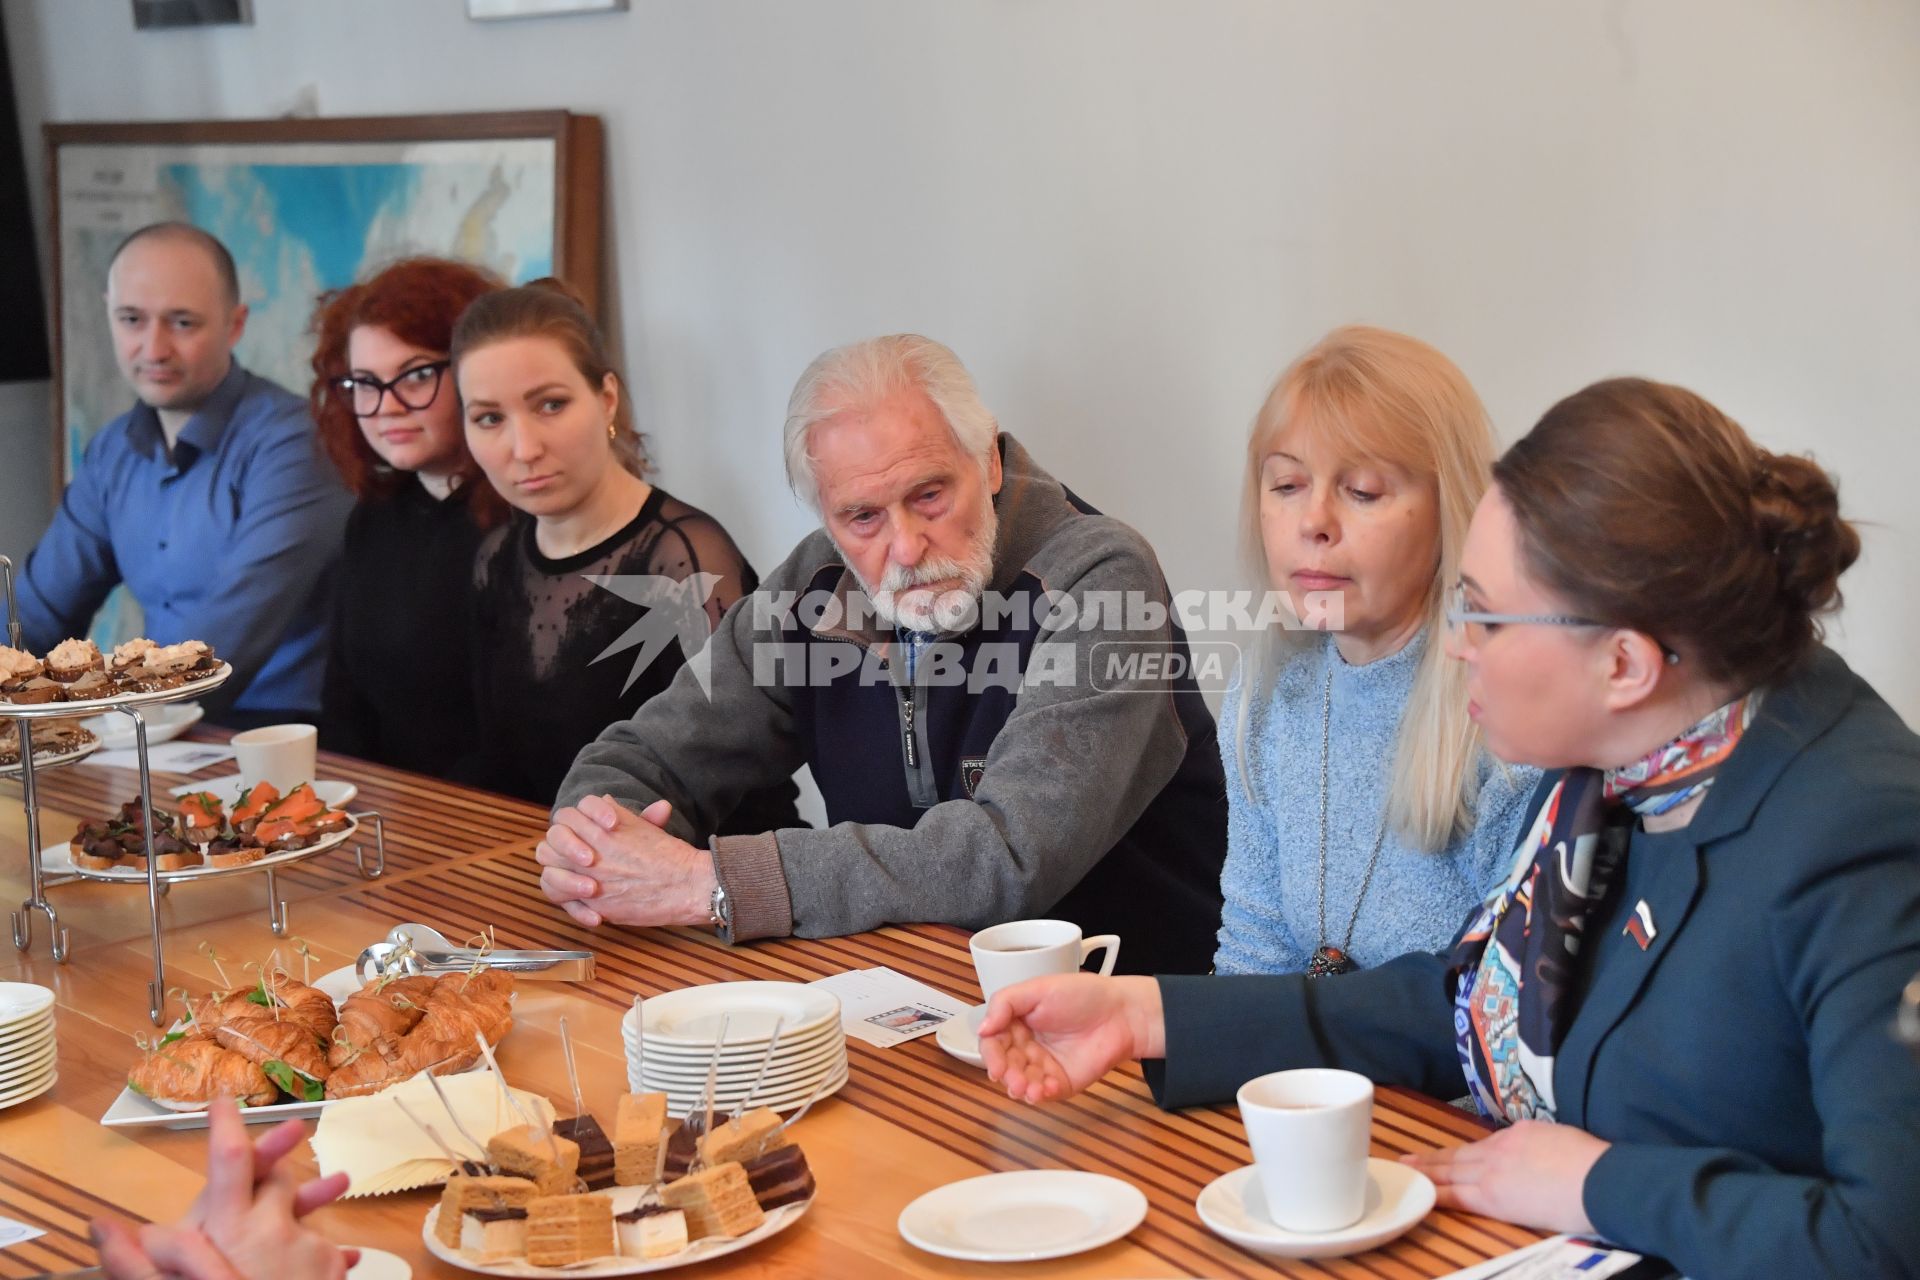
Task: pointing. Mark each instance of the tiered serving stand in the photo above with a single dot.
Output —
(156, 881)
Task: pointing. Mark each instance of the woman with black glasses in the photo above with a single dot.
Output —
(399, 685)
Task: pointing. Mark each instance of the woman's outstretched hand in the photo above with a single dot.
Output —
(1049, 1038)
(245, 1225)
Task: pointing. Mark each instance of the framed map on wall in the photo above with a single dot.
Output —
(305, 206)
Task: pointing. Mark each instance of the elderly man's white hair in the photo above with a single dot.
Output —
(862, 374)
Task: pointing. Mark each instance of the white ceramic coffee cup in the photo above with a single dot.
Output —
(1021, 949)
(1309, 1131)
(282, 754)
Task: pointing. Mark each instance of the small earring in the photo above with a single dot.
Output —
(613, 432)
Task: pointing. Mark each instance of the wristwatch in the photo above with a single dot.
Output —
(720, 910)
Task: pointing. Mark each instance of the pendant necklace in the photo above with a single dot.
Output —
(1329, 960)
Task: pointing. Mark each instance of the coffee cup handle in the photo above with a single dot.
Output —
(1107, 942)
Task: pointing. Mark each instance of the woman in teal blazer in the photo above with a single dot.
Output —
(1711, 917)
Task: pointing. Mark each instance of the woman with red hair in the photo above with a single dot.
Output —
(399, 687)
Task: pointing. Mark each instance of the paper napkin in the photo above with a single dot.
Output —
(382, 1150)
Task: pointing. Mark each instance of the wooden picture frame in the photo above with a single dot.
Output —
(106, 179)
(503, 10)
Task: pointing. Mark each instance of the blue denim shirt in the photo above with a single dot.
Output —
(232, 541)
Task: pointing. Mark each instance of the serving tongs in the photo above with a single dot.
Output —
(417, 948)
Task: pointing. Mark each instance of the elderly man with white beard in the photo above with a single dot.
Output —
(947, 654)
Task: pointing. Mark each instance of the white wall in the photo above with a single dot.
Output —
(1126, 215)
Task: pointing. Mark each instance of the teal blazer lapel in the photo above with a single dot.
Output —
(1793, 714)
(1624, 968)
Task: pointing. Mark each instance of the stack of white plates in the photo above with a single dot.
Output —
(681, 1027)
(27, 1058)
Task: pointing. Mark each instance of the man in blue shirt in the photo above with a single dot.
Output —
(210, 498)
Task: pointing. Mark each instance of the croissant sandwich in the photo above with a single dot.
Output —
(284, 1043)
(189, 1073)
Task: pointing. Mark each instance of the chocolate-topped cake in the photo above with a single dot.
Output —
(780, 1177)
(682, 1145)
(596, 1150)
(755, 1132)
(466, 1193)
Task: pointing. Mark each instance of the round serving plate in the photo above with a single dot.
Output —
(623, 1198)
(54, 856)
(24, 1001)
(691, 1016)
(790, 1099)
(780, 1072)
(680, 1060)
(90, 706)
(44, 760)
(164, 724)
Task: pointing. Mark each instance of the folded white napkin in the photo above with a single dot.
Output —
(382, 1150)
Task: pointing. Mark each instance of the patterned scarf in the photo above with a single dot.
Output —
(1517, 960)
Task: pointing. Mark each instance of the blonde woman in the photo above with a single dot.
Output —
(1365, 819)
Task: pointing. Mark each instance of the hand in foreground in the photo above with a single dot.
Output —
(1533, 1174)
(1049, 1038)
(245, 1223)
(605, 864)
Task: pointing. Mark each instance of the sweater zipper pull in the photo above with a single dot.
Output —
(906, 707)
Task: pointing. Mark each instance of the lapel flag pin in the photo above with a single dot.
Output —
(1640, 925)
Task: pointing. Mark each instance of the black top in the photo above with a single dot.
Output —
(399, 689)
(559, 657)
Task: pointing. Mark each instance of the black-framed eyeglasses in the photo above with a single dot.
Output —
(414, 388)
(1476, 621)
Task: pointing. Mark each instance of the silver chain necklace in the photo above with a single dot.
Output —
(1329, 960)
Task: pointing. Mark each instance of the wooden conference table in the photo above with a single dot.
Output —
(910, 1119)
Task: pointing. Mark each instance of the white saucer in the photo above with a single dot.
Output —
(1234, 1206)
(164, 723)
(378, 1264)
(335, 795)
(959, 1036)
(1023, 1216)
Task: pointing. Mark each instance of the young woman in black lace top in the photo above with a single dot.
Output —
(591, 598)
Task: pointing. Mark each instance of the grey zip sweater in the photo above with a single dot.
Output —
(1028, 769)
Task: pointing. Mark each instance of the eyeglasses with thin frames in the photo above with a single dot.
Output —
(414, 388)
(1476, 621)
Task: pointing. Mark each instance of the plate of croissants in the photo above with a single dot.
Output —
(281, 1047)
(204, 836)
